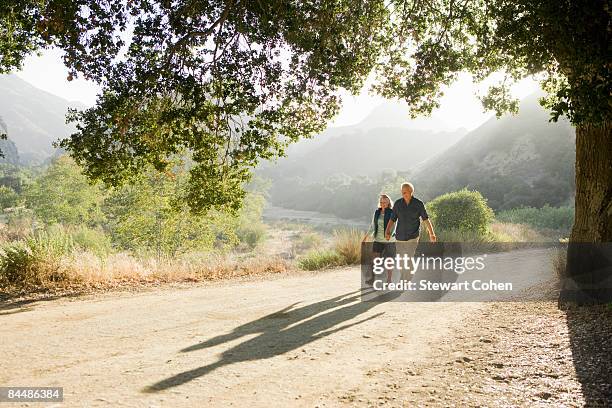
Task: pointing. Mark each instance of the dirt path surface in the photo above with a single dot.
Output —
(304, 340)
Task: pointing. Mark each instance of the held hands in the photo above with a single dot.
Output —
(387, 236)
(433, 238)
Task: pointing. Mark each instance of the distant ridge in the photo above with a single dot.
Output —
(384, 140)
(516, 160)
(35, 118)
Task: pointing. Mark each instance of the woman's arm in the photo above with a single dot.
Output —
(389, 229)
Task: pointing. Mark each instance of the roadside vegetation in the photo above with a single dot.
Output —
(345, 249)
(59, 232)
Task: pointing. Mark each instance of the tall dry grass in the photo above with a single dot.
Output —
(347, 243)
(345, 250)
(559, 261)
(86, 270)
(510, 232)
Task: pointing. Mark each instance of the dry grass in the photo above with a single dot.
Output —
(84, 270)
(508, 232)
(347, 243)
(305, 241)
(345, 250)
(559, 260)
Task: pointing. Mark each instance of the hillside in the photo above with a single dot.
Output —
(515, 161)
(35, 118)
(521, 160)
(384, 140)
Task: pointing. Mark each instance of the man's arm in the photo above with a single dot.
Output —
(391, 223)
(428, 224)
(432, 234)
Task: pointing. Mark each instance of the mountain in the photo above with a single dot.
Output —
(514, 161)
(396, 114)
(521, 160)
(34, 118)
(384, 140)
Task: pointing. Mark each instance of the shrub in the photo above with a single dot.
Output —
(508, 232)
(16, 263)
(8, 197)
(462, 211)
(252, 234)
(37, 259)
(93, 240)
(556, 218)
(319, 259)
(51, 243)
(347, 243)
(20, 223)
(305, 240)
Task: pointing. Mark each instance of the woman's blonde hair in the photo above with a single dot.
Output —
(387, 197)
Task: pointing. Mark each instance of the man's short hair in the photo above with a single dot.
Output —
(407, 184)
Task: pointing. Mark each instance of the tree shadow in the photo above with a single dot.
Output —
(8, 306)
(590, 332)
(278, 333)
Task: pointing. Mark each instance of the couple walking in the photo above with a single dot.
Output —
(405, 215)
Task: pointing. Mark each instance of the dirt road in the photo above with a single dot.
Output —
(301, 340)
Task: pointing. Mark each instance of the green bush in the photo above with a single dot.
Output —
(35, 260)
(319, 259)
(251, 234)
(52, 243)
(346, 251)
(556, 218)
(462, 211)
(16, 263)
(93, 240)
(8, 197)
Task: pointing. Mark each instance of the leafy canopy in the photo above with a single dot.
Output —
(64, 195)
(230, 81)
(566, 43)
(234, 81)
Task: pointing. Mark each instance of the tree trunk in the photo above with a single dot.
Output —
(589, 256)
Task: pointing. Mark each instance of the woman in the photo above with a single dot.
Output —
(381, 246)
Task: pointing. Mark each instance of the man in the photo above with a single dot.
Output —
(408, 212)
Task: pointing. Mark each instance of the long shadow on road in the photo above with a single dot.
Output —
(279, 332)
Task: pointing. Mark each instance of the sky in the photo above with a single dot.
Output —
(459, 108)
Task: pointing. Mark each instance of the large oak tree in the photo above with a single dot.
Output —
(566, 43)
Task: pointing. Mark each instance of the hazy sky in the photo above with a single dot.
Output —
(459, 107)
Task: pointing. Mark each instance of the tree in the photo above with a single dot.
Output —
(150, 215)
(233, 81)
(8, 197)
(62, 194)
(567, 43)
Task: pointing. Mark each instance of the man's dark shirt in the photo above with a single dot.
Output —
(409, 216)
